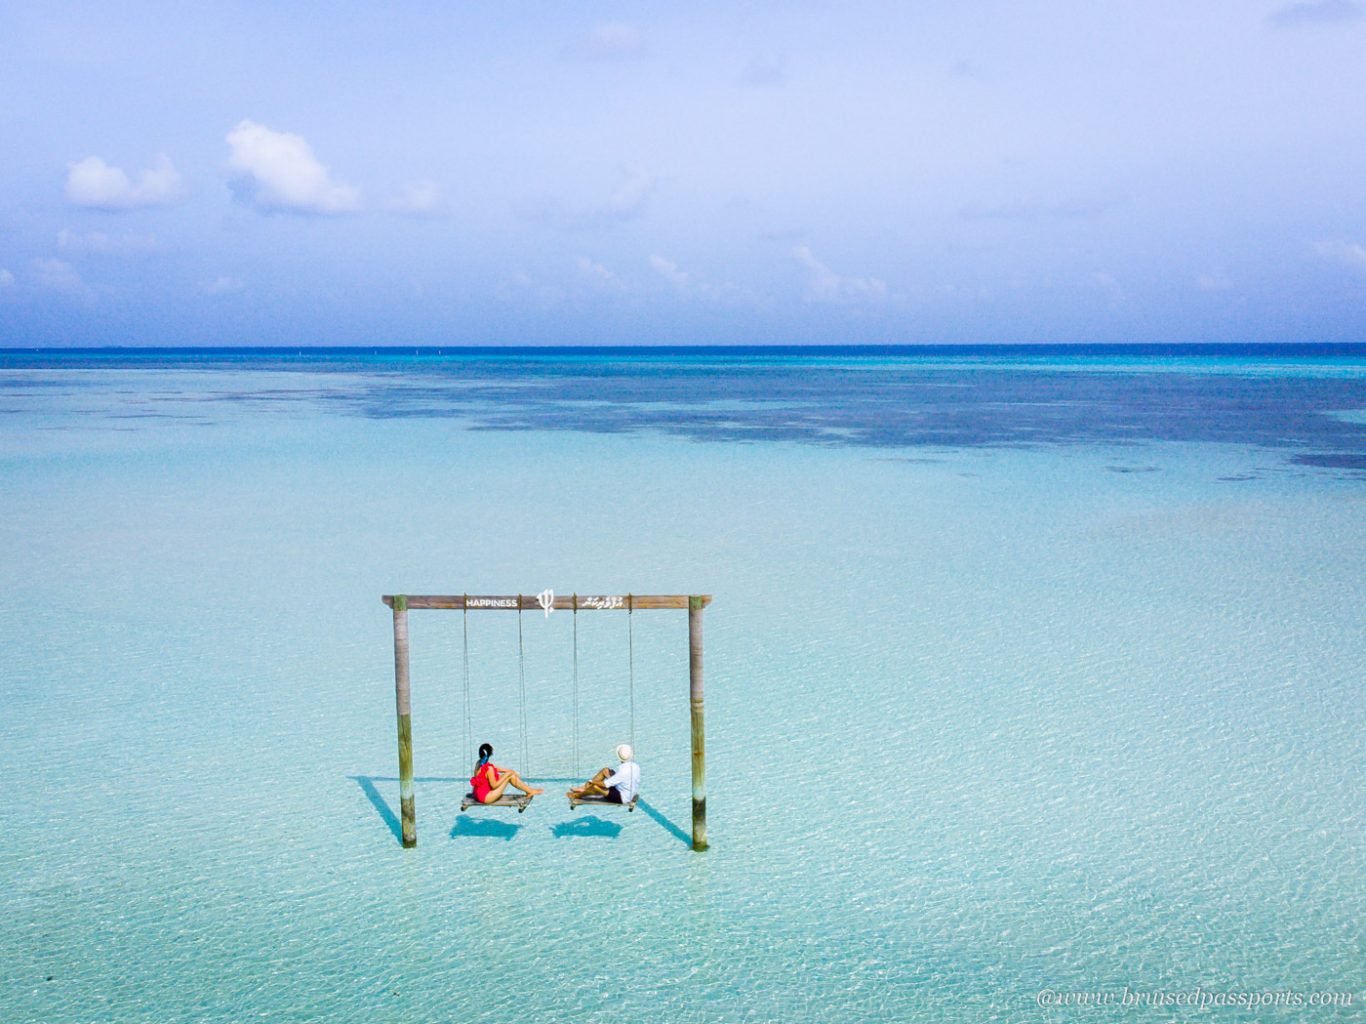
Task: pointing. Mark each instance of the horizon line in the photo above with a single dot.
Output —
(1155, 348)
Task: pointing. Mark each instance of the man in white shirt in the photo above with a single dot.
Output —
(617, 787)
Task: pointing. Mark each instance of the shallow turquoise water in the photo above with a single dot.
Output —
(1095, 709)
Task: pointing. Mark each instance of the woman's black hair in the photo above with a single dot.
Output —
(485, 752)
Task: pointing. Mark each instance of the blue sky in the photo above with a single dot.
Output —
(571, 173)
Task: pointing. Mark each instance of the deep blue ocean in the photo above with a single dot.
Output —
(1284, 397)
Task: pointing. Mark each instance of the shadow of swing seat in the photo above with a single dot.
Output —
(471, 827)
(520, 802)
(590, 827)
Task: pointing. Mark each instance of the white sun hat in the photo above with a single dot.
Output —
(624, 752)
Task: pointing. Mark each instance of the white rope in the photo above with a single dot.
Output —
(521, 685)
(631, 660)
(576, 685)
(465, 660)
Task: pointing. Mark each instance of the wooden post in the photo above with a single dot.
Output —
(699, 744)
(404, 703)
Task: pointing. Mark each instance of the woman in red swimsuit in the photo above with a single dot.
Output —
(489, 781)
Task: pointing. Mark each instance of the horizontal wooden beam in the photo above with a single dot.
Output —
(532, 602)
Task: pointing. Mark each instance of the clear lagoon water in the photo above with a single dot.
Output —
(1027, 669)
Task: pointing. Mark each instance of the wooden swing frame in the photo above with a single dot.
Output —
(403, 603)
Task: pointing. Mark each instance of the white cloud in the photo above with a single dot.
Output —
(222, 285)
(94, 183)
(6, 279)
(1351, 255)
(629, 197)
(597, 273)
(613, 40)
(100, 244)
(60, 276)
(668, 270)
(278, 171)
(765, 71)
(417, 199)
(1317, 12)
(625, 203)
(515, 288)
(1110, 286)
(1071, 209)
(824, 285)
(686, 284)
(1213, 282)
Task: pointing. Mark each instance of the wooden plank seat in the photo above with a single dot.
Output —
(575, 801)
(521, 801)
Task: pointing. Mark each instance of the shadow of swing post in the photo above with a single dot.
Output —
(381, 805)
(386, 813)
(663, 822)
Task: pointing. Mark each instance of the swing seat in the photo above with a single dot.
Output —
(520, 802)
(574, 801)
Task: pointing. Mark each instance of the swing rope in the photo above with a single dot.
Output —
(631, 660)
(521, 684)
(465, 658)
(576, 684)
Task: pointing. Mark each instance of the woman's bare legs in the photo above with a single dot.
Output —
(516, 780)
(510, 778)
(496, 791)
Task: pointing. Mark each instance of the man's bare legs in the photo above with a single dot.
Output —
(594, 786)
